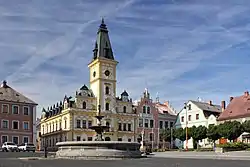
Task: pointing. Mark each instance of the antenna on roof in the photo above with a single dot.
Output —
(199, 99)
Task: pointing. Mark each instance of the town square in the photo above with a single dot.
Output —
(126, 82)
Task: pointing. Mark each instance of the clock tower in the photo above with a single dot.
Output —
(102, 70)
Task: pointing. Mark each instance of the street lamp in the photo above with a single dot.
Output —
(186, 127)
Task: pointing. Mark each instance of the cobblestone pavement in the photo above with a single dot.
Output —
(147, 162)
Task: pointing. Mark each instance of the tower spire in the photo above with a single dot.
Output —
(103, 47)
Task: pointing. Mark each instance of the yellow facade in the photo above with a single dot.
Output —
(70, 120)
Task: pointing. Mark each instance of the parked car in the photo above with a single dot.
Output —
(27, 147)
(9, 146)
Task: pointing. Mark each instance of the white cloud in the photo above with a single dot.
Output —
(161, 46)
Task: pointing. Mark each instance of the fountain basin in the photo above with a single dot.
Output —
(98, 149)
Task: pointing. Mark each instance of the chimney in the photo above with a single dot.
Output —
(210, 102)
(231, 98)
(4, 84)
(246, 93)
(223, 105)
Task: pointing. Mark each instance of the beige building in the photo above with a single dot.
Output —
(70, 119)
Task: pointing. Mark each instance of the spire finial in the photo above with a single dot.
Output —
(103, 20)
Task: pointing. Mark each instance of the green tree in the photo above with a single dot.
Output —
(198, 133)
(179, 134)
(230, 130)
(246, 126)
(166, 134)
(213, 133)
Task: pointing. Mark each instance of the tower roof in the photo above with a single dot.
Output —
(103, 45)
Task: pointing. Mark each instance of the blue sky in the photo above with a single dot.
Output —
(183, 49)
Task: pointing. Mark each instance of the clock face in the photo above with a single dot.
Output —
(94, 74)
(107, 73)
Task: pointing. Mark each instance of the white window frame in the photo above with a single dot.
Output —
(13, 109)
(7, 107)
(28, 125)
(8, 125)
(18, 124)
(28, 110)
(13, 140)
(2, 138)
(24, 137)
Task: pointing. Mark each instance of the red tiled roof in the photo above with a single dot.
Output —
(239, 107)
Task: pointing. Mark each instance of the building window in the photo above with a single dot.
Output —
(161, 124)
(107, 90)
(151, 123)
(78, 123)
(151, 136)
(144, 109)
(5, 124)
(166, 124)
(90, 138)
(84, 124)
(140, 122)
(129, 140)
(25, 110)
(182, 119)
(119, 139)
(107, 106)
(124, 109)
(171, 124)
(60, 125)
(4, 138)
(65, 124)
(189, 107)
(124, 127)
(129, 127)
(84, 106)
(56, 126)
(5, 108)
(25, 139)
(15, 125)
(15, 109)
(78, 138)
(146, 123)
(26, 125)
(15, 139)
(89, 124)
(189, 118)
(197, 116)
(148, 110)
(119, 126)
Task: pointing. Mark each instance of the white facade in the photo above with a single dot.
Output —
(193, 116)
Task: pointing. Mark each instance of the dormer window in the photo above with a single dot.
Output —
(107, 90)
(124, 109)
(84, 105)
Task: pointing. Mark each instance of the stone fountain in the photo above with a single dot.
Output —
(98, 149)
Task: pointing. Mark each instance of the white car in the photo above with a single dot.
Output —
(27, 147)
(9, 146)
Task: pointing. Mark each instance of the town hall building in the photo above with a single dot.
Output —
(70, 119)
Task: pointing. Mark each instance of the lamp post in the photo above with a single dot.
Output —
(142, 138)
(186, 128)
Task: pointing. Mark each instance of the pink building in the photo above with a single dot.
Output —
(153, 117)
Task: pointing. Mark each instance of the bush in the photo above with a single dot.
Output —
(237, 145)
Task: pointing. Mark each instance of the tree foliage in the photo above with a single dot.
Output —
(231, 130)
(166, 134)
(246, 126)
(213, 133)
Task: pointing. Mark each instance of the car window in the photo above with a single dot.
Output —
(11, 144)
(30, 144)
